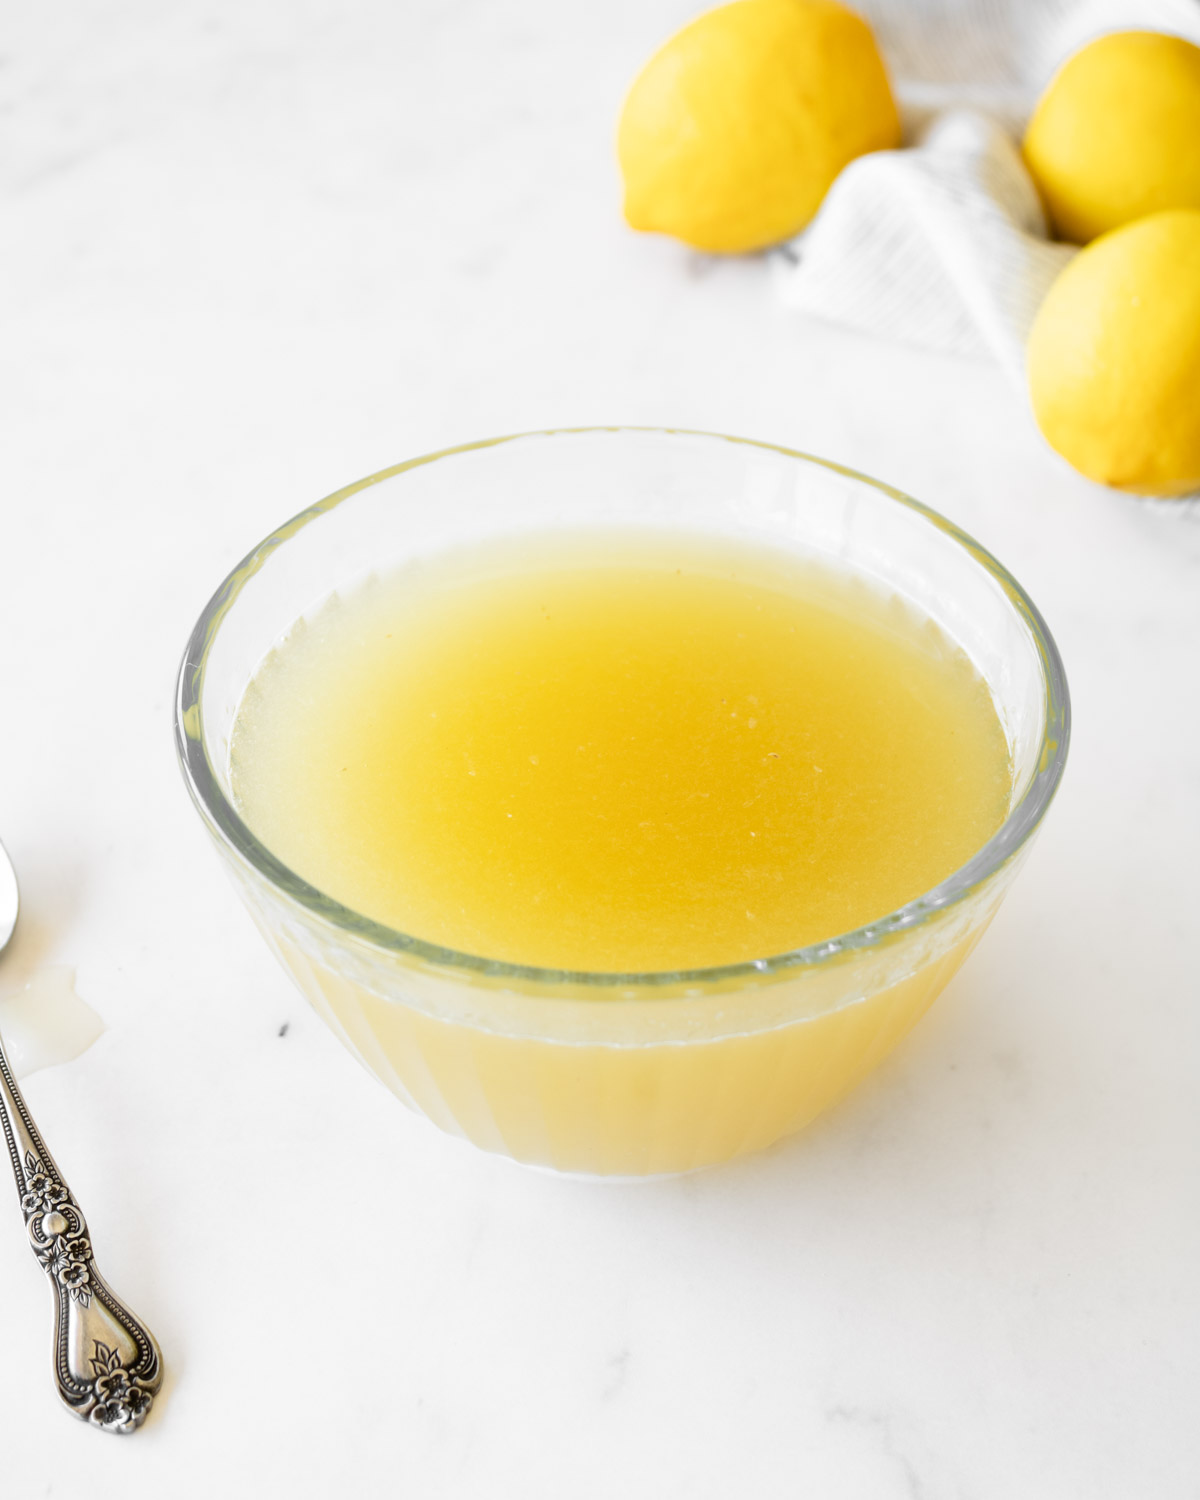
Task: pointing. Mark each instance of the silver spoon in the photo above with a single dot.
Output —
(106, 1364)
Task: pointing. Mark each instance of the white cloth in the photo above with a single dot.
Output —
(944, 244)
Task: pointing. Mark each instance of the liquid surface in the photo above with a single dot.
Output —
(46, 1022)
(620, 753)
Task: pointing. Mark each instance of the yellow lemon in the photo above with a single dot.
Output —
(734, 130)
(1116, 135)
(1114, 357)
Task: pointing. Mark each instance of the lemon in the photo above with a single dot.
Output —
(1116, 135)
(734, 130)
(1114, 357)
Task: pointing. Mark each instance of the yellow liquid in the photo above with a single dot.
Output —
(620, 753)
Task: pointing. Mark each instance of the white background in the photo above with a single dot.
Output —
(253, 251)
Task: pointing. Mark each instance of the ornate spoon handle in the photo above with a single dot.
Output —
(106, 1364)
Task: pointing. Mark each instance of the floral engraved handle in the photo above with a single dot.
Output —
(106, 1363)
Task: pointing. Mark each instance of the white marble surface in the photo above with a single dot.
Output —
(252, 251)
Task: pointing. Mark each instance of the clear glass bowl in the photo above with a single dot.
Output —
(625, 1074)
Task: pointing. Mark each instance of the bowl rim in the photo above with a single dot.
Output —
(226, 824)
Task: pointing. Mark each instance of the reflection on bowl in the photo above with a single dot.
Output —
(626, 1074)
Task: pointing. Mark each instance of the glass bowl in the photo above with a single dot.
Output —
(622, 1074)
